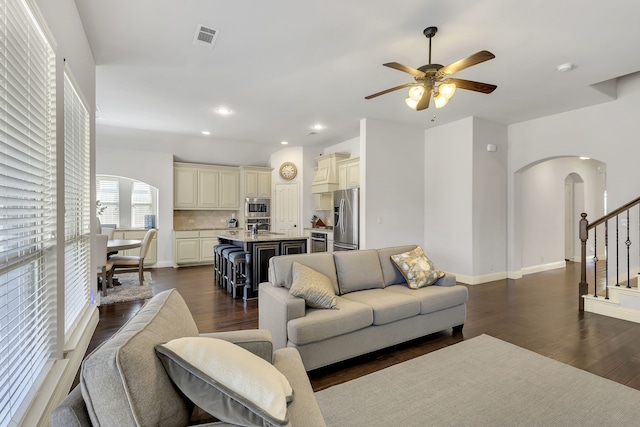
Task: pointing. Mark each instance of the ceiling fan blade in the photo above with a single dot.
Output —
(404, 68)
(389, 90)
(424, 101)
(476, 58)
(471, 85)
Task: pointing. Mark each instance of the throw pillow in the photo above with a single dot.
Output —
(316, 288)
(227, 381)
(417, 268)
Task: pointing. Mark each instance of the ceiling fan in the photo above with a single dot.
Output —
(433, 79)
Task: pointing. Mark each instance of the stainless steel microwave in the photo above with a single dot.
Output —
(257, 208)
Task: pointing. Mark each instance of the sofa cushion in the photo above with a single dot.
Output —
(391, 274)
(318, 324)
(313, 286)
(227, 381)
(417, 268)
(123, 382)
(280, 272)
(434, 298)
(387, 306)
(358, 270)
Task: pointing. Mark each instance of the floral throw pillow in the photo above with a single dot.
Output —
(417, 268)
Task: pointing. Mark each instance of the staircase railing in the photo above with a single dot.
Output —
(584, 228)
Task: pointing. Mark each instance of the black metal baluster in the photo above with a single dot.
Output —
(617, 254)
(628, 243)
(606, 259)
(595, 262)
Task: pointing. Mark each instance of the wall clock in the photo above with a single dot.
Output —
(288, 171)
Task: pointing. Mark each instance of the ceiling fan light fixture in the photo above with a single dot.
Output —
(447, 89)
(440, 100)
(416, 92)
(412, 103)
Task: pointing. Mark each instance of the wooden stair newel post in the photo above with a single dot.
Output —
(584, 235)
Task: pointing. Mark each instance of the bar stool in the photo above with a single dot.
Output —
(217, 262)
(237, 264)
(226, 266)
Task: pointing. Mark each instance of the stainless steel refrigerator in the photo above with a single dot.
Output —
(346, 215)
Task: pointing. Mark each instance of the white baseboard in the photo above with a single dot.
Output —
(543, 267)
(484, 278)
(162, 264)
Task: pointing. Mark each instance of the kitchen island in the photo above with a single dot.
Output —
(260, 248)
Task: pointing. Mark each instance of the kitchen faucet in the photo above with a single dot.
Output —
(256, 226)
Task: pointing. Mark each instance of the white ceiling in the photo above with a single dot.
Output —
(283, 65)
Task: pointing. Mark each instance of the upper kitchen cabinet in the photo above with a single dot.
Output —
(349, 173)
(199, 186)
(255, 181)
(325, 176)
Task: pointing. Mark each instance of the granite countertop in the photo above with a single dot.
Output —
(206, 228)
(240, 236)
(319, 230)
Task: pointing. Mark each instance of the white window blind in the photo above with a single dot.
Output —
(108, 193)
(141, 203)
(77, 262)
(27, 207)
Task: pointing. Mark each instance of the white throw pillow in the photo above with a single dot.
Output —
(316, 288)
(229, 382)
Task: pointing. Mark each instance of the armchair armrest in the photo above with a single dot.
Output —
(277, 307)
(257, 341)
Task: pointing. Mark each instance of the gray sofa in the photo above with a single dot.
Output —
(376, 308)
(124, 383)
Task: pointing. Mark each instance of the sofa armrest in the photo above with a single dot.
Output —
(257, 341)
(71, 412)
(304, 409)
(276, 307)
(448, 279)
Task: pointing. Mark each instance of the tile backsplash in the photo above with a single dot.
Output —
(189, 220)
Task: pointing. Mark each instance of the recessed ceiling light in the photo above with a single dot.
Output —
(585, 158)
(318, 126)
(284, 142)
(223, 111)
(563, 68)
(206, 132)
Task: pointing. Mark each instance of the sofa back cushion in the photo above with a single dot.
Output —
(392, 276)
(124, 383)
(280, 271)
(358, 270)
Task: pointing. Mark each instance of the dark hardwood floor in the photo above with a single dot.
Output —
(538, 312)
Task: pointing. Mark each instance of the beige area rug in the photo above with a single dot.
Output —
(482, 381)
(129, 290)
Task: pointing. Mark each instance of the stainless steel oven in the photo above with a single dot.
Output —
(318, 242)
(257, 208)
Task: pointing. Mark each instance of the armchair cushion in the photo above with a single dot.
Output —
(227, 381)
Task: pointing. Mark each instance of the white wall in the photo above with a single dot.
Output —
(448, 199)
(542, 206)
(351, 146)
(606, 132)
(392, 187)
(154, 168)
(489, 205)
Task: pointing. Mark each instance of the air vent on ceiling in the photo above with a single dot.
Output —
(205, 36)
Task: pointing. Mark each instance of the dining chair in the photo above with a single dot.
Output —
(132, 262)
(109, 231)
(104, 266)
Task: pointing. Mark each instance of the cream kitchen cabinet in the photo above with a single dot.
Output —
(194, 246)
(152, 254)
(349, 173)
(208, 187)
(256, 181)
(323, 202)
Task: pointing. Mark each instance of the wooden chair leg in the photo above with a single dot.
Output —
(141, 274)
(104, 282)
